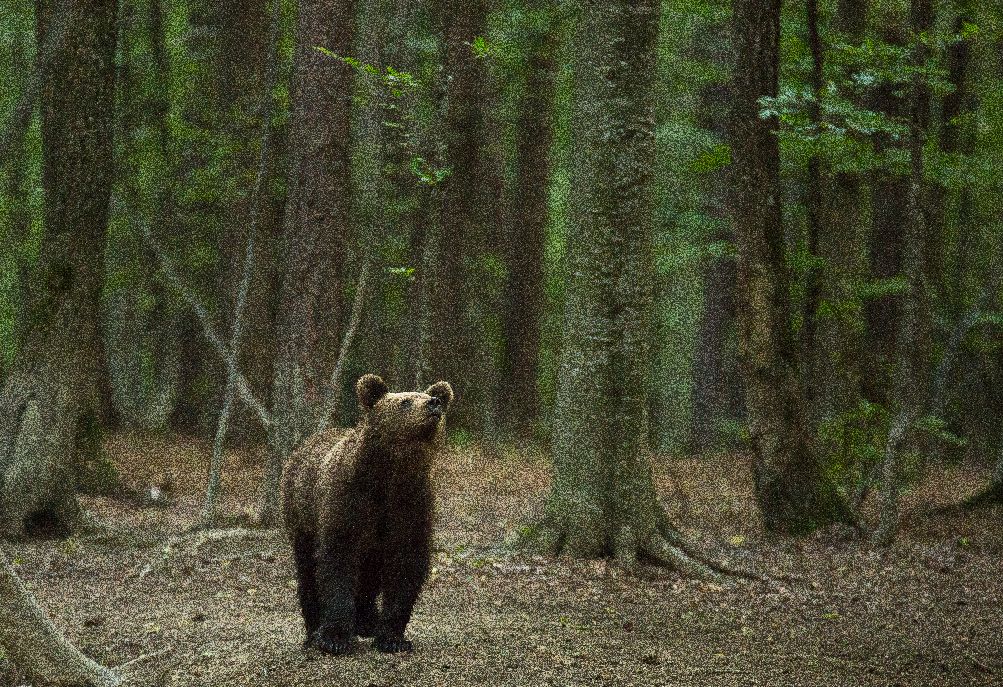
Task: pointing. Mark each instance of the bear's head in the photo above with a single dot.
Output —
(407, 415)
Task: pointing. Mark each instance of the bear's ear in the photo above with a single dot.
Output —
(442, 391)
(370, 389)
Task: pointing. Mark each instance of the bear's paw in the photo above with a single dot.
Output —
(393, 645)
(331, 641)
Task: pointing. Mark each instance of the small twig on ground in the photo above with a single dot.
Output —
(200, 538)
(143, 658)
(977, 663)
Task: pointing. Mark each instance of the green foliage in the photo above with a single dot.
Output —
(853, 442)
(461, 438)
(881, 288)
(405, 273)
(838, 125)
(397, 94)
(938, 429)
(481, 48)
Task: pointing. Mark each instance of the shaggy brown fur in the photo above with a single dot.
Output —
(358, 512)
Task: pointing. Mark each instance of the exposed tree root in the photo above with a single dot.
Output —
(660, 550)
(672, 535)
(664, 546)
(35, 646)
(132, 664)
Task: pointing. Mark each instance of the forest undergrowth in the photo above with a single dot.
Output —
(194, 609)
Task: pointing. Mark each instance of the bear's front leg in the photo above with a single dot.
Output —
(367, 589)
(402, 581)
(337, 578)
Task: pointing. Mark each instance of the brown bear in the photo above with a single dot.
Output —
(358, 512)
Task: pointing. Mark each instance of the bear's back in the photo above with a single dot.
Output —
(320, 459)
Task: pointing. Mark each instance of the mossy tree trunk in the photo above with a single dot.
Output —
(839, 344)
(910, 388)
(526, 215)
(460, 203)
(310, 314)
(792, 491)
(246, 68)
(603, 500)
(49, 403)
(717, 386)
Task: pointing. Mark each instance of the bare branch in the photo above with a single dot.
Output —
(961, 330)
(226, 354)
(888, 526)
(194, 540)
(264, 161)
(333, 389)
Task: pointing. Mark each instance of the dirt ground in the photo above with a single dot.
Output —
(223, 611)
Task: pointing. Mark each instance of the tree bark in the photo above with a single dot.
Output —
(257, 205)
(792, 490)
(839, 345)
(316, 232)
(816, 227)
(450, 244)
(49, 404)
(717, 384)
(141, 340)
(603, 500)
(909, 395)
(34, 645)
(527, 215)
(17, 216)
(247, 85)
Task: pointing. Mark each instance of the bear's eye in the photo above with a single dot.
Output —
(406, 403)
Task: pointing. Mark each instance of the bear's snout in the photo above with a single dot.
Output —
(434, 411)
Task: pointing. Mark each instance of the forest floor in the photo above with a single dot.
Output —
(925, 611)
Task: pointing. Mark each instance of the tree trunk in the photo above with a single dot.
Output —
(816, 227)
(890, 202)
(34, 645)
(792, 490)
(258, 203)
(451, 346)
(527, 215)
(246, 84)
(48, 405)
(839, 344)
(717, 384)
(910, 396)
(316, 231)
(16, 217)
(139, 330)
(603, 499)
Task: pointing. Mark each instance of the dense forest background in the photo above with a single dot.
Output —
(746, 249)
(298, 195)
